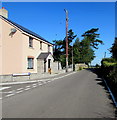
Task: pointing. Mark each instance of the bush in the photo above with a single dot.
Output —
(109, 72)
(80, 68)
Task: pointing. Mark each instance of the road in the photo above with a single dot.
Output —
(79, 95)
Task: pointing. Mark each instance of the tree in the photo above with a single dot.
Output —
(86, 52)
(83, 50)
(60, 49)
(76, 50)
(114, 49)
(92, 37)
(57, 49)
(89, 43)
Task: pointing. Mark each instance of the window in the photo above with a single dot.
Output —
(48, 48)
(30, 63)
(30, 42)
(40, 45)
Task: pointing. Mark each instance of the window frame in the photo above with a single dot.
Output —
(41, 45)
(48, 48)
(30, 42)
(31, 64)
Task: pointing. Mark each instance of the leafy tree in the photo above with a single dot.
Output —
(57, 49)
(86, 52)
(82, 50)
(92, 37)
(114, 49)
(89, 42)
(76, 50)
(60, 48)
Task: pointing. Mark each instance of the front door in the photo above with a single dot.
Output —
(44, 65)
(49, 63)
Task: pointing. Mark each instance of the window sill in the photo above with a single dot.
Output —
(30, 68)
(31, 47)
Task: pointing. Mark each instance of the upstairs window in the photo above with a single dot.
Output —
(41, 45)
(30, 63)
(30, 42)
(48, 48)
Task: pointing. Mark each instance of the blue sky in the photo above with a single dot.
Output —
(48, 20)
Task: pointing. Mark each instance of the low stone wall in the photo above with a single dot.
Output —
(33, 76)
(82, 65)
(56, 67)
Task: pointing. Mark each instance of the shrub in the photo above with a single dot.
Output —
(109, 71)
(80, 68)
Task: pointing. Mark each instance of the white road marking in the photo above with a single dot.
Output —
(27, 86)
(9, 95)
(48, 81)
(0, 98)
(3, 88)
(27, 89)
(19, 88)
(9, 91)
(34, 84)
(44, 82)
(19, 91)
(40, 84)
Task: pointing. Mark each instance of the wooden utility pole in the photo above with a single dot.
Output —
(66, 39)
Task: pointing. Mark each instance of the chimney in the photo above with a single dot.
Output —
(4, 12)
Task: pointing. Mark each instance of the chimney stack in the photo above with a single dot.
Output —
(4, 12)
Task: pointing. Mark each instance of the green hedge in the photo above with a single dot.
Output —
(109, 72)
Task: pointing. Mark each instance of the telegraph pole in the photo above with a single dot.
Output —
(66, 39)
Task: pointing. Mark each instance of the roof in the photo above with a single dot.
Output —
(43, 55)
(26, 30)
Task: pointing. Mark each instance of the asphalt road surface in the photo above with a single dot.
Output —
(79, 95)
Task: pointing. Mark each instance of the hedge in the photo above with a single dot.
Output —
(109, 72)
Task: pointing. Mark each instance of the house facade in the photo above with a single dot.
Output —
(22, 50)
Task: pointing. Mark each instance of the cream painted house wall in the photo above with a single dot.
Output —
(11, 50)
(34, 51)
(0, 46)
(15, 50)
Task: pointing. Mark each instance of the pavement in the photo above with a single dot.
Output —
(46, 77)
(76, 95)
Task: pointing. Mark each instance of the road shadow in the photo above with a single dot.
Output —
(101, 82)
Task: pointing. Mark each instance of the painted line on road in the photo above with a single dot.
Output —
(9, 95)
(48, 81)
(40, 84)
(27, 88)
(34, 84)
(19, 88)
(43, 80)
(3, 88)
(19, 91)
(9, 91)
(15, 83)
(0, 98)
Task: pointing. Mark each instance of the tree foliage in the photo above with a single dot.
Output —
(82, 50)
(114, 49)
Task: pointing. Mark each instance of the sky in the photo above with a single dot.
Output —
(48, 20)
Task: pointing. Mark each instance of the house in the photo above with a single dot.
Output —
(21, 50)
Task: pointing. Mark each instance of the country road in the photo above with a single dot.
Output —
(79, 95)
